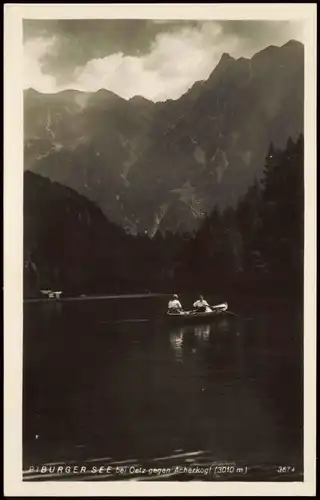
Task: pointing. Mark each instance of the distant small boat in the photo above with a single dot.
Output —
(216, 311)
(51, 294)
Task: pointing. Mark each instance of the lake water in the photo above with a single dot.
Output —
(109, 381)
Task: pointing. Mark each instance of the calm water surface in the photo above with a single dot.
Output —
(104, 380)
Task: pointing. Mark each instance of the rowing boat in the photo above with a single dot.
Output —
(193, 316)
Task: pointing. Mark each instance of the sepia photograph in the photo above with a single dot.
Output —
(163, 247)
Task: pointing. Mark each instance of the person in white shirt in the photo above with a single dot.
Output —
(175, 305)
(201, 305)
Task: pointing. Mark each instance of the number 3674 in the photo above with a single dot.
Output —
(283, 469)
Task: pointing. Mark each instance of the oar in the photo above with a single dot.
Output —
(226, 312)
(231, 313)
(238, 316)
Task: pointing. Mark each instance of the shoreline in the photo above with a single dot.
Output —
(98, 297)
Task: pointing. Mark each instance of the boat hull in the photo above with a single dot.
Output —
(196, 318)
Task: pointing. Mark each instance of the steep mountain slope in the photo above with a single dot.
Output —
(161, 166)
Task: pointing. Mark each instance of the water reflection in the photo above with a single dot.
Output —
(202, 332)
(187, 339)
(176, 341)
(50, 310)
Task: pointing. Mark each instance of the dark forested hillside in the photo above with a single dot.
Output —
(67, 239)
(261, 241)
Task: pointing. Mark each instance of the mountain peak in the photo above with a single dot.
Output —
(103, 97)
(140, 99)
(31, 91)
(226, 57)
(292, 46)
(221, 67)
(105, 93)
(293, 43)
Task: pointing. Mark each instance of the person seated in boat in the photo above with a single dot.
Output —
(202, 305)
(174, 305)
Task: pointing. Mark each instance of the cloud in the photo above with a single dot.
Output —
(174, 63)
(34, 51)
(170, 62)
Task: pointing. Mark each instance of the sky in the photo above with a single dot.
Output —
(158, 60)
